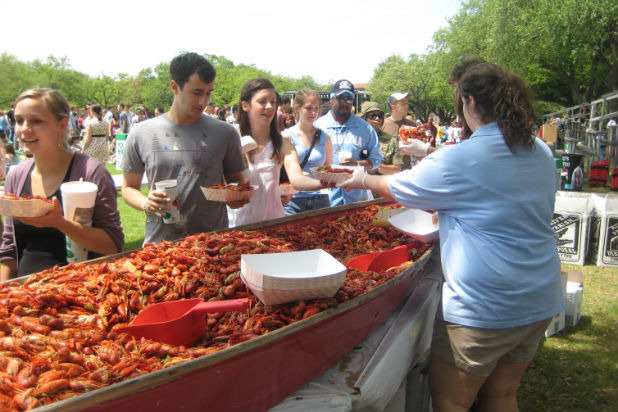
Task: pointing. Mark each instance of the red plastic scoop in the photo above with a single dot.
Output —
(179, 322)
(380, 261)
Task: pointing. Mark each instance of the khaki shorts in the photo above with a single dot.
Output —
(477, 351)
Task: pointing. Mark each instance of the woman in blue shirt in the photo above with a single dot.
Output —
(306, 107)
(494, 194)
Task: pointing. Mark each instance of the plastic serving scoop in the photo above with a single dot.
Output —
(380, 261)
(179, 322)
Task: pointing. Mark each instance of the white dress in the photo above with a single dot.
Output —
(265, 204)
(98, 145)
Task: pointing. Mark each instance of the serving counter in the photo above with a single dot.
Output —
(259, 373)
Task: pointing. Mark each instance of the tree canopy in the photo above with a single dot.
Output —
(567, 51)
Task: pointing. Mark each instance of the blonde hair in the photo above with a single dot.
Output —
(302, 96)
(53, 100)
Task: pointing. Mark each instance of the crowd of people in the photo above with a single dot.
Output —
(494, 194)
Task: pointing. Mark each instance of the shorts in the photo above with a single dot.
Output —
(305, 203)
(477, 350)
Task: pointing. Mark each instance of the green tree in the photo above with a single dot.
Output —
(419, 76)
(567, 50)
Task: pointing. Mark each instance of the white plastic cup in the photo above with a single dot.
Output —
(344, 157)
(170, 188)
(247, 144)
(78, 199)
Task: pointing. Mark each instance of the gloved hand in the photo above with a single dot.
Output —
(414, 147)
(357, 181)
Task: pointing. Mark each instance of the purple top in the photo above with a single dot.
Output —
(105, 215)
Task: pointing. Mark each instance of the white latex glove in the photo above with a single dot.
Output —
(357, 181)
(414, 147)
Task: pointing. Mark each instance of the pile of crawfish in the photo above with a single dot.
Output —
(57, 335)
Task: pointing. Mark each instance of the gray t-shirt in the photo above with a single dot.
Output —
(196, 155)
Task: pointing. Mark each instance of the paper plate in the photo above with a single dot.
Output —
(416, 223)
(24, 208)
(334, 177)
(227, 195)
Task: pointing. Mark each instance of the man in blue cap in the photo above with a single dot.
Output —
(355, 142)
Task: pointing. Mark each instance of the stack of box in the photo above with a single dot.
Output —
(574, 298)
(604, 230)
(573, 290)
(571, 224)
(557, 322)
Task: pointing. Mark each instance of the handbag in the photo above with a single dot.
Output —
(283, 176)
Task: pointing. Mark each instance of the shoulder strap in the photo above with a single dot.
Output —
(316, 137)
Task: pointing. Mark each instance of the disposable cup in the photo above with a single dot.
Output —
(170, 188)
(345, 157)
(78, 199)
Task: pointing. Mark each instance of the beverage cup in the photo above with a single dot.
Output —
(344, 157)
(78, 199)
(170, 188)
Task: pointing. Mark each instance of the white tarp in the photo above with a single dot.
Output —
(368, 377)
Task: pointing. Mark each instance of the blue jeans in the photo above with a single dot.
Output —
(302, 204)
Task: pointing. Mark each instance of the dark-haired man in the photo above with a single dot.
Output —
(354, 140)
(187, 146)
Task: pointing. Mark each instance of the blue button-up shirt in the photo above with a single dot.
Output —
(499, 257)
(353, 136)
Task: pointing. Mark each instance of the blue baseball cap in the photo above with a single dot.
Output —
(342, 87)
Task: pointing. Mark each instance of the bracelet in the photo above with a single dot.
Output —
(145, 206)
(363, 181)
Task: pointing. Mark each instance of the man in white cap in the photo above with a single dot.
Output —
(398, 102)
(355, 142)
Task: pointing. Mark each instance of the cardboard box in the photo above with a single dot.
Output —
(574, 297)
(603, 249)
(550, 133)
(571, 225)
(557, 323)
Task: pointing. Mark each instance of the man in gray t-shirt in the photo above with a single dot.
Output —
(187, 146)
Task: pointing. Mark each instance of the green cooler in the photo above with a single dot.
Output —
(121, 139)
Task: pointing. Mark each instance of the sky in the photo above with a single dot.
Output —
(325, 39)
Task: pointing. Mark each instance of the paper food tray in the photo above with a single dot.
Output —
(24, 208)
(226, 195)
(277, 296)
(334, 177)
(384, 213)
(416, 223)
(291, 270)
(287, 190)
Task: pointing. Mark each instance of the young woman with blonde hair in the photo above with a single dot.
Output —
(35, 243)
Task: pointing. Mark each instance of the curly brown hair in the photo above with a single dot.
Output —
(503, 98)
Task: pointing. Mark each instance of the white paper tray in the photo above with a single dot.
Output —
(416, 223)
(334, 177)
(277, 296)
(24, 208)
(226, 195)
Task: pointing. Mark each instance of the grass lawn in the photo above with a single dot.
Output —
(575, 370)
(133, 221)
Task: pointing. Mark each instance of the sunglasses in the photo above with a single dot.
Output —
(346, 99)
(373, 116)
